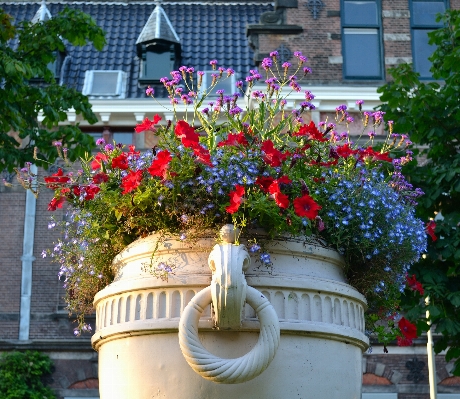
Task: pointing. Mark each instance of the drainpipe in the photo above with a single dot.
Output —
(431, 358)
(27, 258)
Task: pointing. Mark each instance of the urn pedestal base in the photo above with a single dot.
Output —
(321, 320)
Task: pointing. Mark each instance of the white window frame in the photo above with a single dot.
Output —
(119, 90)
(207, 79)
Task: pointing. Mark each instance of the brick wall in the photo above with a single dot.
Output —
(12, 210)
(321, 41)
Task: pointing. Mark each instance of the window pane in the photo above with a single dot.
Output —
(95, 136)
(361, 53)
(424, 12)
(123, 138)
(422, 50)
(360, 13)
(158, 65)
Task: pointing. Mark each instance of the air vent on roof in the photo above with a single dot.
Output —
(105, 83)
(227, 84)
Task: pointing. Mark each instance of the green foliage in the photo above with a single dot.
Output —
(429, 112)
(22, 373)
(21, 101)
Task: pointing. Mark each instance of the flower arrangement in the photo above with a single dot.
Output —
(261, 167)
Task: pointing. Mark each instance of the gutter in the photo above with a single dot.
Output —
(27, 259)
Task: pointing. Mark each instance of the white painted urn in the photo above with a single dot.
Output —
(222, 325)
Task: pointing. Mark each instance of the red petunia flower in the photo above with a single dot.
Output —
(97, 161)
(282, 200)
(311, 131)
(91, 191)
(264, 182)
(55, 180)
(273, 156)
(160, 164)
(344, 151)
(430, 228)
(56, 203)
(375, 155)
(120, 162)
(131, 181)
(413, 284)
(284, 180)
(147, 124)
(133, 153)
(202, 155)
(187, 134)
(236, 197)
(234, 139)
(100, 178)
(408, 329)
(306, 206)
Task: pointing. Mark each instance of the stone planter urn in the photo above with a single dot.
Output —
(225, 326)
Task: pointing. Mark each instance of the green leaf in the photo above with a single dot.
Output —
(454, 298)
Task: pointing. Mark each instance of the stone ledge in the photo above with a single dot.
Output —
(273, 29)
(55, 345)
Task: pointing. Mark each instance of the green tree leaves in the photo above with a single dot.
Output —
(21, 101)
(430, 113)
(21, 375)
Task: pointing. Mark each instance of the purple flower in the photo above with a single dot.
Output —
(308, 95)
(235, 111)
(200, 73)
(108, 147)
(239, 84)
(306, 70)
(286, 65)
(266, 63)
(230, 72)
(274, 54)
(149, 91)
(213, 63)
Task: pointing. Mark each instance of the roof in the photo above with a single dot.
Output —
(158, 26)
(207, 30)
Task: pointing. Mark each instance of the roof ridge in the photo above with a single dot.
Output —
(122, 3)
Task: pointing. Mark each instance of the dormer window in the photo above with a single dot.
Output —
(158, 48)
(157, 60)
(227, 84)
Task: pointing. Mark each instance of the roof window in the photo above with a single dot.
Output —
(105, 83)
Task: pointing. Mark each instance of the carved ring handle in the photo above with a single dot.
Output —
(229, 371)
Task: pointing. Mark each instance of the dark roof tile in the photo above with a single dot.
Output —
(214, 27)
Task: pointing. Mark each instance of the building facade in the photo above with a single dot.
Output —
(350, 46)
